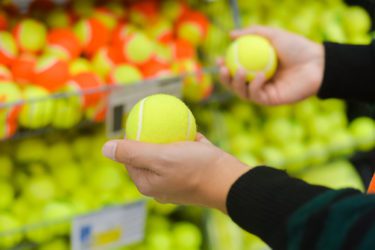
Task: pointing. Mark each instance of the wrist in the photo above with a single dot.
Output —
(318, 64)
(224, 173)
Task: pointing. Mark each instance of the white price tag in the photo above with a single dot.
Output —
(112, 227)
(122, 99)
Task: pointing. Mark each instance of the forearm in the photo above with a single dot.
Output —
(349, 72)
(282, 210)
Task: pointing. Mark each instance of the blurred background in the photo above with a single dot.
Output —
(60, 63)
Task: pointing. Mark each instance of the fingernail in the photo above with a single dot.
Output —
(109, 150)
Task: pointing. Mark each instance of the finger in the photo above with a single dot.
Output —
(220, 62)
(142, 180)
(136, 154)
(203, 139)
(239, 84)
(256, 88)
(264, 31)
(225, 78)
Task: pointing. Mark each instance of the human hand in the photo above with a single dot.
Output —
(189, 173)
(299, 74)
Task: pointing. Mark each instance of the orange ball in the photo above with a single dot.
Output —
(87, 82)
(51, 73)
(193, 27)
(143, 12)
(121, 33)
(3, 21)
(92, 35)
(5, 74)
(182, 50)
(156, 69)
(23, 69)
(66, 40)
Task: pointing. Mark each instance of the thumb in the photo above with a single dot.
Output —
(264, 31)
(133, 153)
(203, 139)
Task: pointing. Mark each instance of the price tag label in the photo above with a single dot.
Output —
(110, 228)
(122, 99)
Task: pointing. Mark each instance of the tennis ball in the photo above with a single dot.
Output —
(252, 53)
(193, 27)
(197, 87)
(106, 17)
(104, 60)
(66, 41)
(144, 123)
(30, 35)
(9, 93)
(137, 48)
(121, 32)
(79, 65)
(356, 21)
(24, 155)
(59, 153)
(5, 74)
(40, 189)
(156, 69)
(3, 20)
(186, 236)
(182, 50)
(36, 114)
(98, 112)
(58, 18)
(67, 176)
(143, 12)
(68, 109)
(161, 31)
(125, 74)
(363, 131)
(162, 54)
(83, 8)
(8, 48)
(7, 166)
(92, 34)
(7, 195)
(56, 244)
(60, 213)
(87, 82)
(173, 10)
(51, 73)
(23, 69)
(9, 223)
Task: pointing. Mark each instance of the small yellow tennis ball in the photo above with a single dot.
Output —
(254, 54)
(38, 110)
(161, 119)
(125, 74)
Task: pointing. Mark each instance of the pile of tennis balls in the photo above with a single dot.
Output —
(63, 175)
(326, 20)
(85, 45)
(291, 137)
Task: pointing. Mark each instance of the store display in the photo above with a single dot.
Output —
(145, 124)
(254, 54)
(294, 137)
(60, 62)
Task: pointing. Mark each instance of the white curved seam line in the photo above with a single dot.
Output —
(140, 119)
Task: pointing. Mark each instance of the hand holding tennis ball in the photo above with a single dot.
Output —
(281, 67)
(167, 160)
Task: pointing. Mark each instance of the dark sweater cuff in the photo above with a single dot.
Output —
(349, 72)
(262, 200)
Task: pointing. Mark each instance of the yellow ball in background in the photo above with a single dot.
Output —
(252, 53)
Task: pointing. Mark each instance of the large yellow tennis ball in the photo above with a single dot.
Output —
(254, 54)
(161, 119)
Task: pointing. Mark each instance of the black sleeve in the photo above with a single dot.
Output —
(265, 201)
(349, 72)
